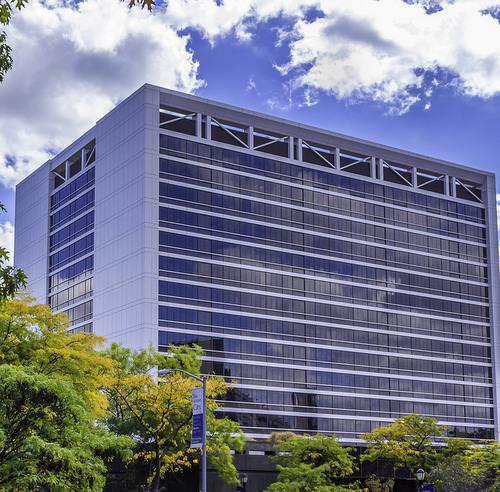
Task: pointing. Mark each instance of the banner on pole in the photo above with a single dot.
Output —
(197, 429)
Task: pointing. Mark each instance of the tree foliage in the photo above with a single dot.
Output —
(50, 401)
(7, 8)
(149, 4)
(406, 442)
(156, 411)
(475, 469)
(11, 278)
(310, 464)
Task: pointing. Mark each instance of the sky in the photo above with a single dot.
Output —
(421, 75)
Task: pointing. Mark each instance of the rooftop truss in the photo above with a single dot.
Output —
(298, 149)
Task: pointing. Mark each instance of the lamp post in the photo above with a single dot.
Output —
(203, 381)
(244, 481)
(420, 477)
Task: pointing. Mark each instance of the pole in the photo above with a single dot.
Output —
(204, 439)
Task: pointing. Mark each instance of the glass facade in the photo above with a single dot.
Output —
(71, 239)
(330, 303)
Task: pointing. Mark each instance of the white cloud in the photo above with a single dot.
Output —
(391, 51)
(72, 65)
(7, 239)
(395, 52)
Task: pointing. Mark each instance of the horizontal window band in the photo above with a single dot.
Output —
(347, 256)
(329, 347)
(345, 366)
(312, 301)
(344, 371)
(274, 389)
(357, 327)
(384, 301)
(354, 283)
(320, 342)
(240, 242)
(317, 211)
(203, 256)
(314, 410)
(394, 394)
(342, 417)
(221, 146)
(310, 232)
(326, 194)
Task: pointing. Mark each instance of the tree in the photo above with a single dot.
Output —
(50, 401)
(156, 411)
(310, 463)
(6, 9)
(484, 460)
(453, 475)
(11, 278)
(475, 468)
(406, 442)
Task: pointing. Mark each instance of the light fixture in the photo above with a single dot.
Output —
(420, 474)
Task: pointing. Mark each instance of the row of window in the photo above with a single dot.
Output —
(72, 252)
(73, 209)
(80, 313)
(317, 178)
(87, 328)
(265, 424)
(274, 214)
(212, 249)
(65, 194)
(346, 405)
(72, 231)
(267, 375)
(73, 273)
(284, 193)
(71, 295)
(316, 289)
(261, 329)
(320, 312)
(316, 244)
(274, 353)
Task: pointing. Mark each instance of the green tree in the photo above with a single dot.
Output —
(467, 467)
(310, 464)
(453, 474)
(7, 8)
(406, 442)
(50, 403)
(11, 278)
(484, 460)
(156, 411)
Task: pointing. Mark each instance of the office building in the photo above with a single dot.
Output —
(337, 283)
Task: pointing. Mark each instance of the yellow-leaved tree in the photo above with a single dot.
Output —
(51, 402)
(156, 411)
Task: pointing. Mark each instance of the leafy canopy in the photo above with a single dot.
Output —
(11, 278)
(156, 411)
(310, 464)
(50, 400)
(475, 469)
(406, 442)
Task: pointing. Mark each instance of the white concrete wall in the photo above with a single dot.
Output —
(31, 231)
(126, 223)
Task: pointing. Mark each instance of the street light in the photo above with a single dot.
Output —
(203, 381)
(420, 477)
(244, 481)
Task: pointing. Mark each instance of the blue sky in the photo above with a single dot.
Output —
(421, 75)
